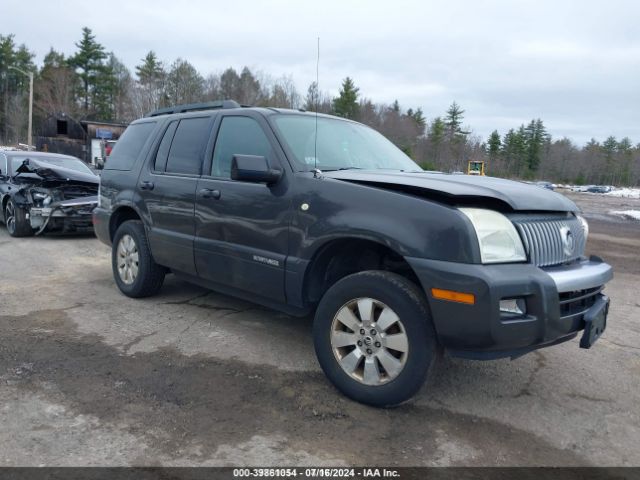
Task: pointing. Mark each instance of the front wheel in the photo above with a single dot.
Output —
(374, 338)
(135, 272)
(16, 220)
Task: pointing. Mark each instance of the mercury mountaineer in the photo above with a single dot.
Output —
(303, 212)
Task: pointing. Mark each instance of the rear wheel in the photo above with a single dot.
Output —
(374, 338)
(16, 220)
(135, 272)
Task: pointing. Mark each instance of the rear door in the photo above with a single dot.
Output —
(168, 188)
(242, 227)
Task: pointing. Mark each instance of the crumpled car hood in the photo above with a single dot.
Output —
(50, 172)
(517, 195)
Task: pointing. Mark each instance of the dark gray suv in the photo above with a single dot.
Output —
(303, 212)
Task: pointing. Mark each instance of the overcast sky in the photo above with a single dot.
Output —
(575, 64)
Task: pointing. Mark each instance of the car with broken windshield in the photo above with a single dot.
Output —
(45, 192)
(310, 213)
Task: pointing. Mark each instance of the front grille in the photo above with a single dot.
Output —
(575, 304)
(542, 236)
(74, 191)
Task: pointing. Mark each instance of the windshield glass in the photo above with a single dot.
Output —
(64, 162)
(340, 145)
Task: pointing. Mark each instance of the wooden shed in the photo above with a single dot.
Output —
(62, 133)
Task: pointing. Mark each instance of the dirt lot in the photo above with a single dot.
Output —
(90, 377)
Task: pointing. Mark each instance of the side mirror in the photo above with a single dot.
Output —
(253, 168)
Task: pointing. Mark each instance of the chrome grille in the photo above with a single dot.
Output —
(542, 236)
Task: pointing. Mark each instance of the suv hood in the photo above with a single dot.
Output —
(49, 172)
(461, 188)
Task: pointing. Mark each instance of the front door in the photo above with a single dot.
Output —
(242, 227)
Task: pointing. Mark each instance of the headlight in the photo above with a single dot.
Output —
(585, 225)
(45, 198)
(498, 239)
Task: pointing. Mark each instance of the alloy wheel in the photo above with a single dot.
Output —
(10, 217)
(128, 259)
(369, 341)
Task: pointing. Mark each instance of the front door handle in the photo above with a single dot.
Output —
(208, 193)
(146, 185)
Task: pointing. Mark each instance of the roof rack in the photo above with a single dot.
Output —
(194, 107)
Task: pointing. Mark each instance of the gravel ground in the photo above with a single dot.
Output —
(190, 377)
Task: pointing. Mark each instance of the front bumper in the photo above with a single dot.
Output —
(72, 215)
(557, 299)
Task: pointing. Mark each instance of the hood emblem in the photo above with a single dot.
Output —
(568, 241)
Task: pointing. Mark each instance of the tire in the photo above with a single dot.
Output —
(16, 220)
(134, 270)
(365, 377)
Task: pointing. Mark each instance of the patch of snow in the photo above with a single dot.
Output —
(625, 193)
(630, 214)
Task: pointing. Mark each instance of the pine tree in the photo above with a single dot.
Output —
(436, 137)
(455, 135)
(102, 99)
(151, 70)
(89, 62)
(453, 122)
(346, 103)
(625, 158)
(494, 144)
(609, 148)
(184, 83)
(514, 151)
(14, 88)
(418, 116)
(535, 137)
(7, 88)
(54, 59)
(151, 84)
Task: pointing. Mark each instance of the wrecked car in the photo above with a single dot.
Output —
(46, 192)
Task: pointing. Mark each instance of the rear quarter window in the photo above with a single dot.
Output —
(126, 151)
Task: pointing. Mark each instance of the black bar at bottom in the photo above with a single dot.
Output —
(274, 473)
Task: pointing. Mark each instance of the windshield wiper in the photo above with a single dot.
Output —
(341, 168)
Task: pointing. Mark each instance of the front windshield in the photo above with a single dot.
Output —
(64, 162)
(339, 145)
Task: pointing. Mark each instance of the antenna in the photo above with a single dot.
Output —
(315, 133)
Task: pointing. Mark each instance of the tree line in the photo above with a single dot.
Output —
(93, 84)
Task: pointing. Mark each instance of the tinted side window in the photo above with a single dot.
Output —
(187, 148)
(238, 136)
(129, 146)
(163, 150)
(3, 165)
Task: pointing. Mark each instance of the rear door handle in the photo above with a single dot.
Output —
(208, 193)
(146, 185)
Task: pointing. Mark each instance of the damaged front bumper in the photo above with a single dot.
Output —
(556, 303)
(72, 215)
